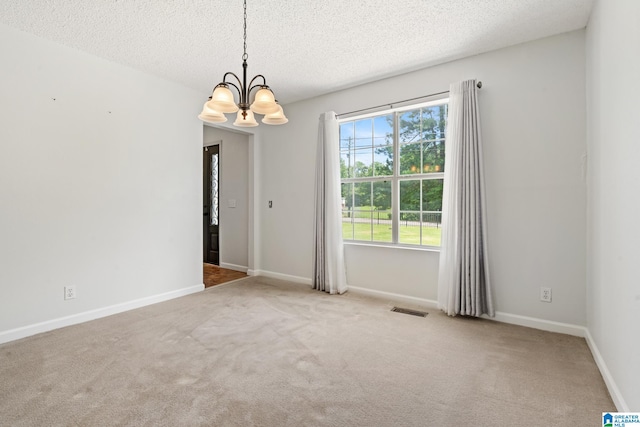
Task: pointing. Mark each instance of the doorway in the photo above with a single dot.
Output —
(211, 208)
(232, 236)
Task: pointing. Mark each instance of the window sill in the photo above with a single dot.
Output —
(392, 246)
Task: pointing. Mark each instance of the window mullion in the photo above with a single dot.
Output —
(421, 209)
(371, 210)
(353, 211)
(395, 184)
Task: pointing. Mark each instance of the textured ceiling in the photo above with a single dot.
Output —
(304, 48)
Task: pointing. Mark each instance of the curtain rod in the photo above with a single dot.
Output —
(390, 105)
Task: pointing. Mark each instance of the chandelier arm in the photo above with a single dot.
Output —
(262, 86)
(224, 80)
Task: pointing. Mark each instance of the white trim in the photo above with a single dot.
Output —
(211, 143)
(614, 391)
(437, 99)
(394, 297)
(392, 246)
(61, 322)
(234, 267)
(281, 276)
(533, 322)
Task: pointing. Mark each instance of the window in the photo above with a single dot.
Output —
(392, 171)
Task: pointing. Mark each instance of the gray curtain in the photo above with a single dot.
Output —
(329, 273)
(463, 283)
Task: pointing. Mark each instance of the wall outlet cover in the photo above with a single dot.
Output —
(545, 294)
(69, 292)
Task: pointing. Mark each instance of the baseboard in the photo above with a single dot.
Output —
(533, 322)
(37, 328)
(616, 396)
(427, 303)
(281, 276)
(235, 267)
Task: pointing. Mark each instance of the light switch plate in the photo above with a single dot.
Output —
(232, 203)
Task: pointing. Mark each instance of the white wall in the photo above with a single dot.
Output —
(533, 119)
(234, 184)
(613, 290)
(99, 188)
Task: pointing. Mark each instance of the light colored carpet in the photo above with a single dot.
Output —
(272, 353)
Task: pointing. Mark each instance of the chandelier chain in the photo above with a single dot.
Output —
(245, 56)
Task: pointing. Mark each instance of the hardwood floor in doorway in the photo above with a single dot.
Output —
(214, 275)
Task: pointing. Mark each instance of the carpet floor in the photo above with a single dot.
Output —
(272, 353)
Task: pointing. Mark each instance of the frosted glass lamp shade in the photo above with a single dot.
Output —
(211, 116)
(249, 121)
(277, 118)
(264, 103)
(222, 100)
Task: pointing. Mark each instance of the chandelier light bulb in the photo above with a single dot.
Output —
(265, 102)
(211, 116)
(222, 100)
(245, 122)
(277, 118)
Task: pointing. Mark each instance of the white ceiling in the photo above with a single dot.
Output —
(304, 48)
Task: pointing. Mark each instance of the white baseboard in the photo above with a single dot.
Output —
(616, 396)
(533, 322)
(235, 267)
(61, 322)
(427, 303)
(281, 276)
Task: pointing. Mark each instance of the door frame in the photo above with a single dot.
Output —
(253, 240)
(206, 201)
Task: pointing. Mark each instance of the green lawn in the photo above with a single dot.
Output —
(382, 233)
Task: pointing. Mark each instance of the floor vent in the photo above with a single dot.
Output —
(411, 312)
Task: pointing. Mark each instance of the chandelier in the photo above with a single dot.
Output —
(222, 100)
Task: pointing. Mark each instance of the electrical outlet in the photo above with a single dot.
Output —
(545, 294)
(69, 292)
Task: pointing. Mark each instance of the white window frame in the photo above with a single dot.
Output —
(396, 178)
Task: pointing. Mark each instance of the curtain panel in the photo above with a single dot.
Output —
(329, 273)
(463, 283)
